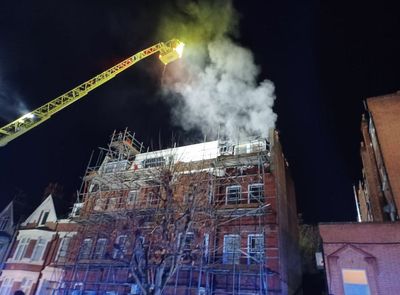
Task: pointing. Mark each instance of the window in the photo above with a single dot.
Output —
(6, 286)
(76, 210)
(100, 249)
(63, 249)
(206, 242)
(153, 162)
(44, 218)
(112, 204)
(132, 197)
(119, 250)
(233, 194)
(26, 285)
(39, 249)
(355, 282)
(152, 199)
(99, 204)
(86, 248)
(231, 254)
(255, 246)
(187, 247)
(21, 248)
(256, 193)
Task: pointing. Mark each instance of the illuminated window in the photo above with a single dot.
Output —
(355, 282)
(39, 249)
(21, 248)
(256, 193)
(232, 252)
(233, 194)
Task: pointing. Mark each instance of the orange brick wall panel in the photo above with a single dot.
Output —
(385, 112)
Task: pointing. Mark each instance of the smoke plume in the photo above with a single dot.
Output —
(11, 104)
(215, 86)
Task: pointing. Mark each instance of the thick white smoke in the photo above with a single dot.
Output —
(217, 92)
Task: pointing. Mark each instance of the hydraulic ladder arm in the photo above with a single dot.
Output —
(168, 52)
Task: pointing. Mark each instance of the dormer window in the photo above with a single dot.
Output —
(44, 218)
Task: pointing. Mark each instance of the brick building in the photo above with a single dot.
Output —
(7, 232)
(362, 258)
(210, 218)
(379, 193)
(31, 250)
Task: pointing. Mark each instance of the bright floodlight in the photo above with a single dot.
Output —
(172, 51)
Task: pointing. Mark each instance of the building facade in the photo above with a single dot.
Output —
(210, 218)
(7, 232)
(31, 250)
(361, 258)
(378, 194)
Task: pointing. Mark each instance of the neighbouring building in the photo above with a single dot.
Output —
(364, 257)
(217, 217)
(361, 258)
(34, 244)
(378, 194)
(7, 231)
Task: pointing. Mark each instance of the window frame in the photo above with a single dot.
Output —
(100, 248)
(6, 286)
(21, 248)
(85, 250)
(120, 252)
(251, 253)
(236, 253)
(344, 270)
(238, 194)
(38, 251)
(260, 199)
(63, 248)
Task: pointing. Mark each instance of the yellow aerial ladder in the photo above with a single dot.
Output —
(168, 52)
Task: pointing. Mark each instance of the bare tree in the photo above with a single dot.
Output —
(174, 235)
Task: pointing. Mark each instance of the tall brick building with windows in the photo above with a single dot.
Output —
(379, 192)
(210, 218)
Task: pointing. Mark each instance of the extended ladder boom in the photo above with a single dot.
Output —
(169, 51)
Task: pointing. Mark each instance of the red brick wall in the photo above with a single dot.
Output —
(373, 247)
(385, 112)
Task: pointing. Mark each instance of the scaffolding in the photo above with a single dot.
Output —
(213, 217)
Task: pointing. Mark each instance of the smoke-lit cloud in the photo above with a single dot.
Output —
(11, 103)
(215, 87)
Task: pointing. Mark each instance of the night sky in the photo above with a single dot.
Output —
(324, 59)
